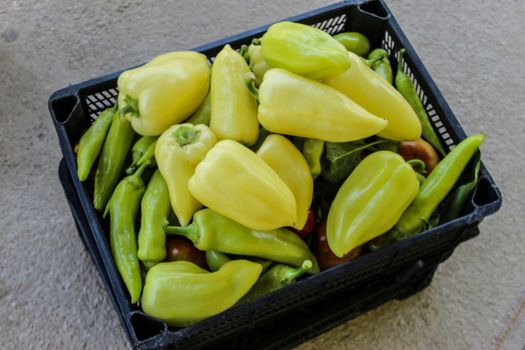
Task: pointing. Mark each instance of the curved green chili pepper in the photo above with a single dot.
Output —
(123, 207)
(355, 42)
(382, 67)
(436, 186)
(111, 160)
(406, 88)
(202, 114)
(147, 156)
(155, 208)
(215, 259)
(91, 143)
(137, 151)
(277, 277)
(211, 230)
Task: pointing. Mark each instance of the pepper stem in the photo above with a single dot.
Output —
(418, 165)
(185, 135)
(191, 232)
(250, 83)
(371, 61)
(291, 275)
(400, 57)
(141, 169)
(131, 107)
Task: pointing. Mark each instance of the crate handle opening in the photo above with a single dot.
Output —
(63, 107)
(146, 327)
(374, 8)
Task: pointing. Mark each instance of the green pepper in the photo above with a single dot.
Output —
(91, 142)
(355, 42)
(406, 88)
(381, 66)
(313, 151)
(215, 259)
(111, 160)
(155, 208)
(138, 150)
(123, 207)
(304, 50)
(211, 230)
(436, 186)
(203, 114)
(181, 293)
(370, 201)
(277, 277)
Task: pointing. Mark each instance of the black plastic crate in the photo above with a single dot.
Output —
(279, 320)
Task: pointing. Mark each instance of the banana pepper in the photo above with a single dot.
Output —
(233, 107)
(289, 163)
(234, 181)
(377, 96)
(179, 149)
(304, 50)
(181, 293)
(294, 105)
(370, 201)
(164, 91)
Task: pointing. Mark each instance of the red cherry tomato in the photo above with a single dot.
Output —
(325, 257)
(419, 149)
(309, 226)
(182, 249)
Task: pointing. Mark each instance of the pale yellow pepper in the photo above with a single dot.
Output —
(289, 163)
(376, 95)
(179, 149)
(233, 108)
(164, 91)
(238, 184)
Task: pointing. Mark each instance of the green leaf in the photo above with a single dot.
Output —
(342, 158)
(455, 202)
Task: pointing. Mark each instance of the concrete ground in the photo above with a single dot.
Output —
(50, 293)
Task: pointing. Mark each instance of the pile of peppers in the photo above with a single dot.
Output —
(289, 156)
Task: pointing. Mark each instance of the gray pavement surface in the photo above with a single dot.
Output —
(50, 293)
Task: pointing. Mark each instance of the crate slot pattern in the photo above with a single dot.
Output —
(99, 101)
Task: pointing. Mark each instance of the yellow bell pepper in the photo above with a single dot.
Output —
(233, 108)
(164, 91)
(380, 98)
(238, 184)
(370, 201)
(294, 105)
(179, 149)
(289, 163)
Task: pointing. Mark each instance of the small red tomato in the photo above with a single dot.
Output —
(309, 226)
(325, 257)
(182, 249)
(419, 149)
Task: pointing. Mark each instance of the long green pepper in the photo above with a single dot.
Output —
(91, 143)
(138, 150)
(406, 88)
(436, 186)
(211, 230)
(123, 207)
(155, 208)
(277, 277)
(111, 160)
